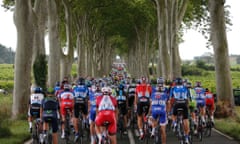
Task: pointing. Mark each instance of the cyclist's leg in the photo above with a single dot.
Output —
(140, 117)
(113, 138)
(163, 122)
(54, 130)
(30, 120)
(154, 121)
(75, 117)
(124, 112)
(63, 114)
(98, 123)
(92, 125)
(186, 121)
(112, 129)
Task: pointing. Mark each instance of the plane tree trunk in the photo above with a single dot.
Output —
(24, 21)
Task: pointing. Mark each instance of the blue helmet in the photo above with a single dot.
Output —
(37, 90)
(179, 81)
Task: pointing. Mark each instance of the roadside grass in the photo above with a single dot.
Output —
(230, 126)
(19, 132)
(11, 132)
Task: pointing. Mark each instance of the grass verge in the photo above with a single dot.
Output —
(230, 126)
(19, 132)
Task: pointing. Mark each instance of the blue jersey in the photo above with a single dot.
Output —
(179, 93)
(80, 91)
(199, 94)
(121, 96)
(159, 100)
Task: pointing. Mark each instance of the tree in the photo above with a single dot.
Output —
(24, 21)
(221, 55)
(54, 42)
(40, 71)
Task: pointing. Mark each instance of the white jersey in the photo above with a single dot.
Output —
(36, 98)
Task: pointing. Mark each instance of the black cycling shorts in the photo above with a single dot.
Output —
(130, 101)
(143, 107)
(122, 107)
(182, 106)
(80, 108)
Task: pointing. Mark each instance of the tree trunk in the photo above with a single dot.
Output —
(24, 21)
(67, 60)
(225, 104)
(54, 43)
(39, 35)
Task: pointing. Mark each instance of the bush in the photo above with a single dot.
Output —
(4, 129)
(191, 70)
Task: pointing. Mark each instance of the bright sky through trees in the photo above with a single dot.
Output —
(194, 43)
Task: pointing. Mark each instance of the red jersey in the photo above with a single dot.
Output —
(66, 101)
(143, 90)
(106, 103)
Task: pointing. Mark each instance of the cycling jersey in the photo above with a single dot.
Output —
(209, 100)
(106, 106)
(35, 104)
(143, 92)
(92, 99)
(49, 114)
(200, 96)
(131, 90)
(180, 94)
(158, 103)
(66, 101)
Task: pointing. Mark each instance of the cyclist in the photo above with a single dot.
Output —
(93, 94)
(180, 95)
(131, 95)
(66, 100)
(142, 96)
(106, 111)
(80, 104)
(49, 112)
(159, 105)
(200, 98)
(210, 102)
(35, 102)
(192, 105)
(122, 105)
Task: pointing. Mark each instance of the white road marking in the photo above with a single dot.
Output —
(223, 134)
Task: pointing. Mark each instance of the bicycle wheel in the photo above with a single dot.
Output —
(146, 131)
(35, 135)
(157, 136)
(200, 129)
(208, 130)
(180, 132)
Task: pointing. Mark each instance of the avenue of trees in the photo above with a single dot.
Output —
(140, 31)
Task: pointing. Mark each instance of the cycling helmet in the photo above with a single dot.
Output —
(198, 84)
(81, 81)
(66, 87)
(179, 81)
(37, 90)
(57, 83)
(206, 90)
(189, 84)
(50, 90)
(160, 80)
(106, 90)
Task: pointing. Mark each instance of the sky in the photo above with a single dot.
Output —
(194, 43)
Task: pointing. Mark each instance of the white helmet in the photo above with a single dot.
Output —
(106, 91)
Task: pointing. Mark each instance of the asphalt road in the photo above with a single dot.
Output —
(132, 138)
